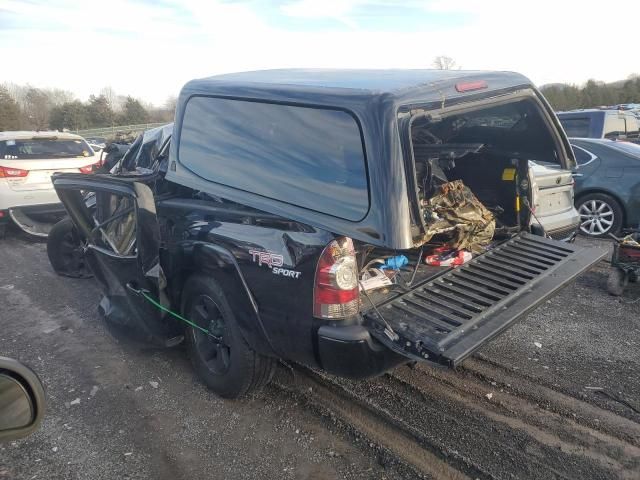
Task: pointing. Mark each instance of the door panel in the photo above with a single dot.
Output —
(122, 249)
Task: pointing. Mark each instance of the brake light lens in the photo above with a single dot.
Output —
(87, 168)
(335, 294)
(471, 86)
(6, 172)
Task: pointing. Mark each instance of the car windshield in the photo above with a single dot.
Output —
(576, 127)
(43, 148)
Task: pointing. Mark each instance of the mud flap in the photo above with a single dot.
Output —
(447, 318)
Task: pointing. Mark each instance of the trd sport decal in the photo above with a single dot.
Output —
(274, 262)
(267, 258)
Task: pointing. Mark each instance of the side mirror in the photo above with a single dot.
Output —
(22, 401)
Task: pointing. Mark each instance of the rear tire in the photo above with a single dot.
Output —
(3, 231)
(600, 215)
(64, 249)
(617, 281)
(229, 367)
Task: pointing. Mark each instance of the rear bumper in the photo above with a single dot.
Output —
(35, 220)
(44, 209)
(560, 226)
(350, 351)
(17, 199)
(565, 234)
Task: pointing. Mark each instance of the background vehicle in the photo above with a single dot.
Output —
(252, 238)
(99, 142)
(553, 202)
(27, 161)
(593, 123)
(607, 187)
(111, 154)
(22, 400)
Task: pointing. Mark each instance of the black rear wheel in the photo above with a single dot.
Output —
(64, 249)
(218, 352)
(210, 347)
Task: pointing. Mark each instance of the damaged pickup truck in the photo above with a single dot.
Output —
(348, 220)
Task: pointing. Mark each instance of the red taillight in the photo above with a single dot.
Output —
(471, 86)
(335, 293)
(88, 168)
(6, 172)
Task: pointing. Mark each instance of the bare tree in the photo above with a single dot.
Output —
(113, 103)
(36, 109)
(58, 96)
(443, 62)
(170, 103)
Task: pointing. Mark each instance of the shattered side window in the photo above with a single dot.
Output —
(115, 223)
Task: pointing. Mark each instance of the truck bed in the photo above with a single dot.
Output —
(450, 312)
(382, 295)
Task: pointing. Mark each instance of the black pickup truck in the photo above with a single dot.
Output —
(252, 233)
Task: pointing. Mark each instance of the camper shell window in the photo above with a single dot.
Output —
(305, 156)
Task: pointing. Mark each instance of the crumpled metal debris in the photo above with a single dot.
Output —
(456, 209)
(630, 241)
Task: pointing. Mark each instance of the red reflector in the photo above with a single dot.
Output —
(6, 172)
(1, 214)
(471, 86)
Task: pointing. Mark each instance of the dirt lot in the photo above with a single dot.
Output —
(555, 397)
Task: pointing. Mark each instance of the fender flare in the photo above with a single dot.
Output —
(219, 262)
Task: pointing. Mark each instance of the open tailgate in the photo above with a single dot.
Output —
(447, 318)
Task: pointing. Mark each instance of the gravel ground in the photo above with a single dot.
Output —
(581, 341)
(116, 411)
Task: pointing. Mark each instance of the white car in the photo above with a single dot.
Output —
(27, 161)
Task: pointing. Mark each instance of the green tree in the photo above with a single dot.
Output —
(9, 111)
(133, 112)
(99, 111)
(593, 94)
(71, 115)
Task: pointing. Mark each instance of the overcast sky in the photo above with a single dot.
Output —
(150, 48)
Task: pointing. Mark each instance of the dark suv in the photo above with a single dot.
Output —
(284, 196)
(593, 123)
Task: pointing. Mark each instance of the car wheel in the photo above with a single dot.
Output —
(3, 231)
(617, 282)
(64, 249)
(221, 357)
(600, 215)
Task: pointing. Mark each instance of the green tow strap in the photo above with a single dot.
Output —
(174, 314)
